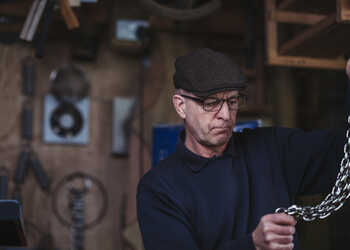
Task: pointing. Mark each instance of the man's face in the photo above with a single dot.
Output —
(210, 129)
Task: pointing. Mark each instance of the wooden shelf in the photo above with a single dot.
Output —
(321, 45)
(327, 39)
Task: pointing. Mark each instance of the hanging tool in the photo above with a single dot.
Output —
(29, 159)
(39, 172)
(88, 183)
(32, 21)
(27, 122)
(69, 17)
(21, 170)
(28, 76)
(47, 18)
(77, 206)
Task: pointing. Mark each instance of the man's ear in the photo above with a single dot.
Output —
(179, 105)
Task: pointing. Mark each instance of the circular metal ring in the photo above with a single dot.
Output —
(94, 181)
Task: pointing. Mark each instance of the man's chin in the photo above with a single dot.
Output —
(221, 140)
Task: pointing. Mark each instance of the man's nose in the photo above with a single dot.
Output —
(224, 112)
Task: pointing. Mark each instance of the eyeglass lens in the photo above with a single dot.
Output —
(215, 104)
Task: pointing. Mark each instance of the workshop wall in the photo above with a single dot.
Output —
(282, 96)
(112, 75)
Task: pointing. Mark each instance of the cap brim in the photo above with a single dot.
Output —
(214, 91)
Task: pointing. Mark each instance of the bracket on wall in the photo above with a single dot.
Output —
(322, 44)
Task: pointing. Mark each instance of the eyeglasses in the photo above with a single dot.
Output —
(212, 104)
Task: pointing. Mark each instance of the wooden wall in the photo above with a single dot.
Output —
(112, 75)
(115, 74)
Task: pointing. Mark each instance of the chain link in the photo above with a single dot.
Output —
(334, 200)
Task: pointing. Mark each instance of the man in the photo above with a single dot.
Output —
(220, 189)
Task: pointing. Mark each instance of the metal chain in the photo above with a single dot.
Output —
(77, 205)
(335, 199)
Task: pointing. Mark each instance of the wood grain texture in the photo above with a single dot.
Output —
(112, 75)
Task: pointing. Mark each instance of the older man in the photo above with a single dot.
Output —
(220, 189)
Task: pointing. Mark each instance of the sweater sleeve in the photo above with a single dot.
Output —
(165, 224)
(310, 160)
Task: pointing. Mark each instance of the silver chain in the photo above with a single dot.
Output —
(335, 199)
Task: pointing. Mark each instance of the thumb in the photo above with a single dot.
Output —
(347, 68)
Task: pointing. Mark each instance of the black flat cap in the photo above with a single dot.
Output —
(204, 72)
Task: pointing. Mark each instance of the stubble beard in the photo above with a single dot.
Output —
(217, 140)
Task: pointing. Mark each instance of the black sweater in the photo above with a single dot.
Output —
(189, 202)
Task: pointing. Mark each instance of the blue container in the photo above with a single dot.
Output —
(165, 137)
(164, 141)
(239, 126)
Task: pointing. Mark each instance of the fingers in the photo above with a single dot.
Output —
(280, 218)
(348, 68)
(280, 239)
(275, 232)
(276, 246)
(277, 229)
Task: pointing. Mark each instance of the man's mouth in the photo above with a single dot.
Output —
(221, 128)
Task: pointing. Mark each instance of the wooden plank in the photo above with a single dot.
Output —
(297, 17)
(271, 29)
(310, 33)
(328, 39)
(69, 16)
(307, 62)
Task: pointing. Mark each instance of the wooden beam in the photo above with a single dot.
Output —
(307, 62)
(297, 17)
(308, 34)
(327, 39)
(271, 28)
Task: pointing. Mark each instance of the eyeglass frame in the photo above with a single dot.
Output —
(222, 101)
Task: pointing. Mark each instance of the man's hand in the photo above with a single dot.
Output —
(347, 69)
(274, 232)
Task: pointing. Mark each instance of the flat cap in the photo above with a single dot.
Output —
(204, 72)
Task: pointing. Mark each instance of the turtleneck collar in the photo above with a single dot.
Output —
(197, 162)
